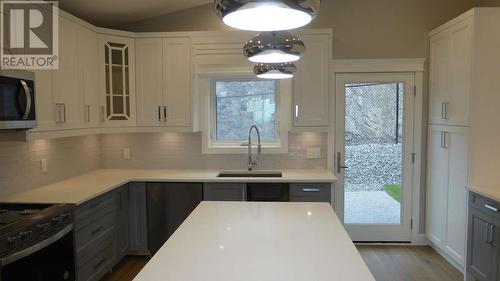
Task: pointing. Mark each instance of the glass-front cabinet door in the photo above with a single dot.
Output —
(118, 89)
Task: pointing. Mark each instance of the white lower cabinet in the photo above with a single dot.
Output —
(446, 190)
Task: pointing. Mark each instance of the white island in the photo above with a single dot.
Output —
(245, 241)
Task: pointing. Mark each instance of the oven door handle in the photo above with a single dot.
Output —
(35, 248)
(28, 99)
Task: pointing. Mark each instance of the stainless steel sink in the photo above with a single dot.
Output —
(250, 175)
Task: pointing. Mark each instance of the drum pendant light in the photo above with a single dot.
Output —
(274, 47)
(274, 70)
(267, 15)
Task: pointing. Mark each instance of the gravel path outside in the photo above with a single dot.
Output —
(371, 207)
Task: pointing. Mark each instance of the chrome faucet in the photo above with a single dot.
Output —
(252, 162)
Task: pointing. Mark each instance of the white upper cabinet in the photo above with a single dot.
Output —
(450, 74)
(310, 106)
(89, 77)
(45, 101)
(149, 81)
(177, 82)
(117, 64)
(68, 98)
(65, 80)
(163, 78)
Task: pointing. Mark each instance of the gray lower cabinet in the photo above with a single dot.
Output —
(298, 192)
(224, 191)
(122, 221)
(483, 239)
(311, 192)
(138, 221)
(101, 234)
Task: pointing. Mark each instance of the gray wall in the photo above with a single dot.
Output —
(361, 28)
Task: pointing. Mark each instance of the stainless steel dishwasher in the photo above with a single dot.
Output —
(168, 205)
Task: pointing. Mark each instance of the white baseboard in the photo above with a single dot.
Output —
(420, 240)
(446, 257)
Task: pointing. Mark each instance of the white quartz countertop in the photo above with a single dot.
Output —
(488, 191)
(80, 189)
(249, 241)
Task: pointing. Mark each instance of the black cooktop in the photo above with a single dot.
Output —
(11, 213)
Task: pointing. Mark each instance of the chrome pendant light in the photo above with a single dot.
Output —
(267, 15)
(275, 70)
(274, 47)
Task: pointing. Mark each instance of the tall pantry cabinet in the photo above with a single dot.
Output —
(464, 97)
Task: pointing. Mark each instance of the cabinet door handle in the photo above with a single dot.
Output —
(103, 114)
(444, 110)
(165, 113)
(491, 208)
(490, 229)
(296, 112)
(492, 234)
(445, 140)
(59, 115)
(159, 113)
(64, 113)
(87, 113)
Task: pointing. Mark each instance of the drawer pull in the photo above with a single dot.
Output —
(491, 208)
(97, 230)
(311, 190)
(101, 262)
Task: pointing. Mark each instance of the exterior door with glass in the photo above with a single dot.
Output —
(374, 154)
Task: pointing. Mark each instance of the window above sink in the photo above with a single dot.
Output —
(235, 101)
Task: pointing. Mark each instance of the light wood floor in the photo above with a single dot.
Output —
(127, 269)
(387, 263)
(406, 263)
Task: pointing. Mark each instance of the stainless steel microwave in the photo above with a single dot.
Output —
(17, 100)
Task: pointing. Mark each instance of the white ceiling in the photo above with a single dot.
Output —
(114, 13)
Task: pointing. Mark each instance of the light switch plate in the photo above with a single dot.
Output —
(126, 153)
(43, 163)
(313, 153)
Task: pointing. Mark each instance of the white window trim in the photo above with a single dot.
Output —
(205, 75)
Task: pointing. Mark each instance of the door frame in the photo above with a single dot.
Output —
(417, 67)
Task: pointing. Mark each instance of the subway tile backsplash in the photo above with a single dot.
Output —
(183, 151)
(20, 162)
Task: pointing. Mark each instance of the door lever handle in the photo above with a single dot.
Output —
(340, 166)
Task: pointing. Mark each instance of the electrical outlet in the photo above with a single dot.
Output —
(126, 153)
(313, 153)
(43, 163)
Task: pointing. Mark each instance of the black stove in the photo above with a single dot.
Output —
(31, 235)
(21, 223)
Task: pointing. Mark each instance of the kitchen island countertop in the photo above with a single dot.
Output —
(248, 241)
